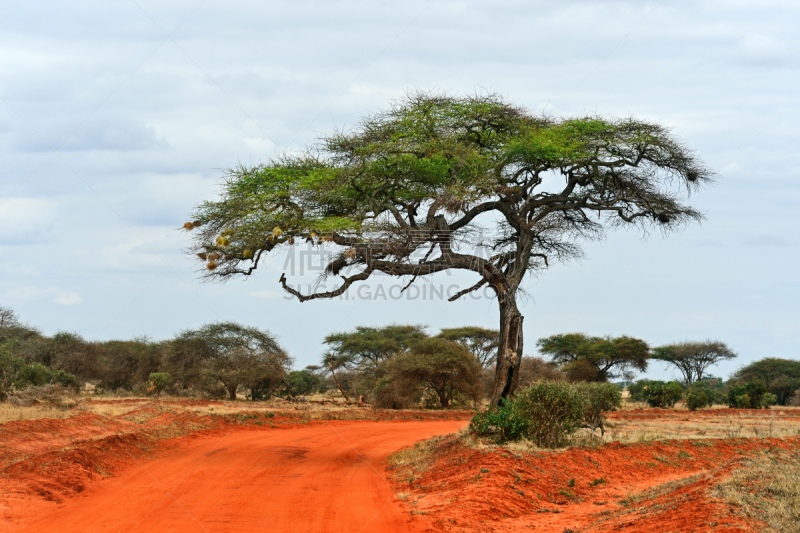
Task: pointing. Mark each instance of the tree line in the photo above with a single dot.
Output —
(394, 366)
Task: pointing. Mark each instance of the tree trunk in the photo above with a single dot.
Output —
(232, 391)
(509, 351)
(336, 380)
(444, 400)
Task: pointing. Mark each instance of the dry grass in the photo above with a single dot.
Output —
(9, 412)
(415, 459)
(683, 424)
(767, 489)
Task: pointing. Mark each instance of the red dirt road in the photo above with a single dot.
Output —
(327, 477)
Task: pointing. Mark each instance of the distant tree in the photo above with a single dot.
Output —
(12, 328)
(780, 376)
(535, 369)
(692, 359)
(444, 367)
(415, 190)
(303, 382)
(71, 353)
(584, 358)
(129, 363)
(370, 345)
(237, 355)
(9, 367)
(481, 342)
(159, 381)
(662, 394)
(748, 396)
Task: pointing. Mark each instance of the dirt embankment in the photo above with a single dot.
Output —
(644, 487)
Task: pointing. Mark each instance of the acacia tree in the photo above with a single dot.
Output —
(481, 342)
(238, 355)
(435, 181)
(692, 359)
(584, 358)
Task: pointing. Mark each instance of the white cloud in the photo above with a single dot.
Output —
(32, 293)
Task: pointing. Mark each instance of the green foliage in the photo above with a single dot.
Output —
(662, 394)
(747, 396)
(599, 398)
(699, 396)
(370, 345)
(481, 342)
(302, 383)
(159, 381)
(781, 376)
(444, 369)
(231, 354)
(585, 358)
(546, 414)
(692, 359)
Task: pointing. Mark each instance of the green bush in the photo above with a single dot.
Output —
(699, 396)
(159, 381)
(598, 398)
(769, 399)
(546, 414)
(36, 374)
(662, 394)
(748, 396)
(636, 390)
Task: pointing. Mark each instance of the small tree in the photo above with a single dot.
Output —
(692, 359)
(699, 395)
(159, 381)
(584, 358)
(9, 367)
(599, 399)
(781, 376)
(481, 342)
(662, 394)
(237, 355)
(748, 396)
(370, 345)
(445, 367)
(417, 189)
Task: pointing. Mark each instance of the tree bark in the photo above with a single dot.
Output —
(232, 391)
(509, 351)
(336, 380)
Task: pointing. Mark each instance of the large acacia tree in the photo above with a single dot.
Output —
(433, 182)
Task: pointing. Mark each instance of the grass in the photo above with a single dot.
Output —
(9, 412)
(767, 489)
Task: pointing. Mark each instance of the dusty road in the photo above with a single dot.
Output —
(316, 479)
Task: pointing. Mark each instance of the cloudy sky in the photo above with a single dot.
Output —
(116, 118)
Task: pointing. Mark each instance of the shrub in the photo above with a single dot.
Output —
(662, 394)
(781, 376)
(598, 398)
(546, 414)
(636, 390)
(159, 381)
(747, 396)
(699, 397)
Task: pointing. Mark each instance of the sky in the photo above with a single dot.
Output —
(117, 118)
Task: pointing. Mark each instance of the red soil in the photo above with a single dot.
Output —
(159, 468)
(582, 489)
(153, 470)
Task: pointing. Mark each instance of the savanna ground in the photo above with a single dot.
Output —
(184, 465)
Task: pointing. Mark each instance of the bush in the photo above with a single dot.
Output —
(699, 396)
(159, 381)
(748, 396)
(598, 398)
(636, 390)
(546, 414)
(662, 394)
